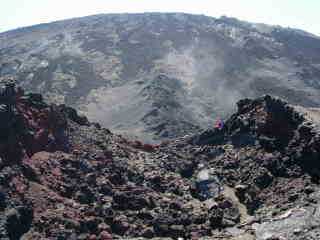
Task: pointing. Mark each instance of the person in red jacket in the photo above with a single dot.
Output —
(219, 124)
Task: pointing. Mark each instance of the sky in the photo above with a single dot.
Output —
(302, 14)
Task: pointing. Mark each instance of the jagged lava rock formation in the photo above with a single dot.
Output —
(62, 177)
(160, 76)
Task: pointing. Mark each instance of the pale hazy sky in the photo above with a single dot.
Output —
(303, 14)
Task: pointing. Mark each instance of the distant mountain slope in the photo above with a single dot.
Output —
(158, 75)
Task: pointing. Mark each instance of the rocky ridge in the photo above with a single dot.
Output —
(62, 177)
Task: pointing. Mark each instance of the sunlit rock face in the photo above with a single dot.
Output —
(158, 76)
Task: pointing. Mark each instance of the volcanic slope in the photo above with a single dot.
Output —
(158, 76)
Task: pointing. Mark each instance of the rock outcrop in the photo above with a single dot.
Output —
(62, 177)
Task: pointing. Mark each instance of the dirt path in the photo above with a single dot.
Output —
(230, 193)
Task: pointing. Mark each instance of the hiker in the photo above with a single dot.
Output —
(219, 124)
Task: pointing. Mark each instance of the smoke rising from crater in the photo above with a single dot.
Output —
(204, 75)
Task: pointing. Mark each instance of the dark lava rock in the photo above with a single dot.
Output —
(216, 217)
(127, 200)
(3, 202)
(85, 195)
(73, 115)
(120, 225)
(18, 221)
(103, 186)
(263, 180)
